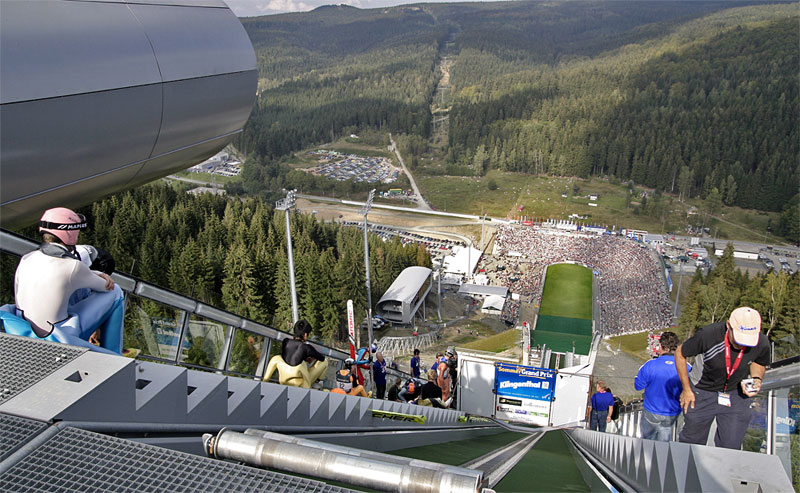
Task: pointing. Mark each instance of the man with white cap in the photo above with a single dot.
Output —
(731, 350)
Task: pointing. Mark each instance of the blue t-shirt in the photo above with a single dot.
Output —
(415, 367)
(661, 384)
(379, 372)
(601, 401)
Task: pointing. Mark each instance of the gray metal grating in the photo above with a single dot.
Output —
(79, 460)
(25, 361)
(14, 431)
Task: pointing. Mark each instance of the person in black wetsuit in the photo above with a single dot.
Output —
(297, 351)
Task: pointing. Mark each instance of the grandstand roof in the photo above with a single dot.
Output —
(463, 261)
(407, 284)
(483, 290)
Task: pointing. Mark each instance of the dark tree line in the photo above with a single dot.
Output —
(776, 295)
(718, 114)
(231, 253)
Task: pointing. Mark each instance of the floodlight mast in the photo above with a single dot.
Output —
(285, 204)
(365, 211)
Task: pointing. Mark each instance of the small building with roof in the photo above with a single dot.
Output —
(402, 300)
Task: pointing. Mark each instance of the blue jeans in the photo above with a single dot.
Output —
(656, 426)
(597, 420)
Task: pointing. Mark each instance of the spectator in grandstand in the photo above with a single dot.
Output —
(732, 349)
(379, 375)
(47, 277)
(662, 390)
(601, 407)
(415, 364)
(296, 351)
(394, 391)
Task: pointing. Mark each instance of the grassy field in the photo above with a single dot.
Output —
(496, 343)
(541, 196)
(567, 292)
(208, 177)
(633, 344)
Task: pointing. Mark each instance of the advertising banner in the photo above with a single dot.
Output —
(523, 393)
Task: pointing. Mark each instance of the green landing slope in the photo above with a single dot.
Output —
(549, 466)
(565, 315)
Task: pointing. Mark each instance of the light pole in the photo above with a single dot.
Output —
(365, 211)
(284, 205)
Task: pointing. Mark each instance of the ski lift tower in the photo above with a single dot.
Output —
(285, 204)
(365, 211)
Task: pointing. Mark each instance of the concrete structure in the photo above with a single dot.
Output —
(746, 252)
(654, 239)
(401, 301)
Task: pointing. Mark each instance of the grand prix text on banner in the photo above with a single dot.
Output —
(523, 393)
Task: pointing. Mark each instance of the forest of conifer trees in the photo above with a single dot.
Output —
(232, 254)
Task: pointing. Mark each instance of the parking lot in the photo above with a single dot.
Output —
(340, 167)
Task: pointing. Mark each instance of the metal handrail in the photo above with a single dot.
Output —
(15, 244)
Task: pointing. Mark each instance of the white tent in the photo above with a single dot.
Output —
(493, 304)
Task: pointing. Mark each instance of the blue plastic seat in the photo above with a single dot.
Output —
(12, 324)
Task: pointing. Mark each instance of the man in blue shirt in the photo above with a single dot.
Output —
(602, 405)
(662, 391)
(379, 374)
(415, 364)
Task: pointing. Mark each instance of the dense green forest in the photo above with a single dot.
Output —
(776, 295)
(684, 97)
(232, 254)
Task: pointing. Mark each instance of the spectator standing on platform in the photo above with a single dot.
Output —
(394, 391)
(731, 349)
(415, 364)
(379, 374)
(662, 390)
(601, 407)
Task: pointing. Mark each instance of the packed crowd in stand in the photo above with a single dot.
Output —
(632, 294)
(510, 313)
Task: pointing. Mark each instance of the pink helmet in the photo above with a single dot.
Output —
(63, 223)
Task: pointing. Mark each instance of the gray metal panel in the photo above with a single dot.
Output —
(15, 431)
(177, 160)
(218, 315)
(55, 48)
(91, 387)
(164, 296)
(261, 329)
(26, 361)
(54, 143)
(187, 3)
(204, 108)
(126, 283)
(79, 460)
(196, 42)
(15, 244)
